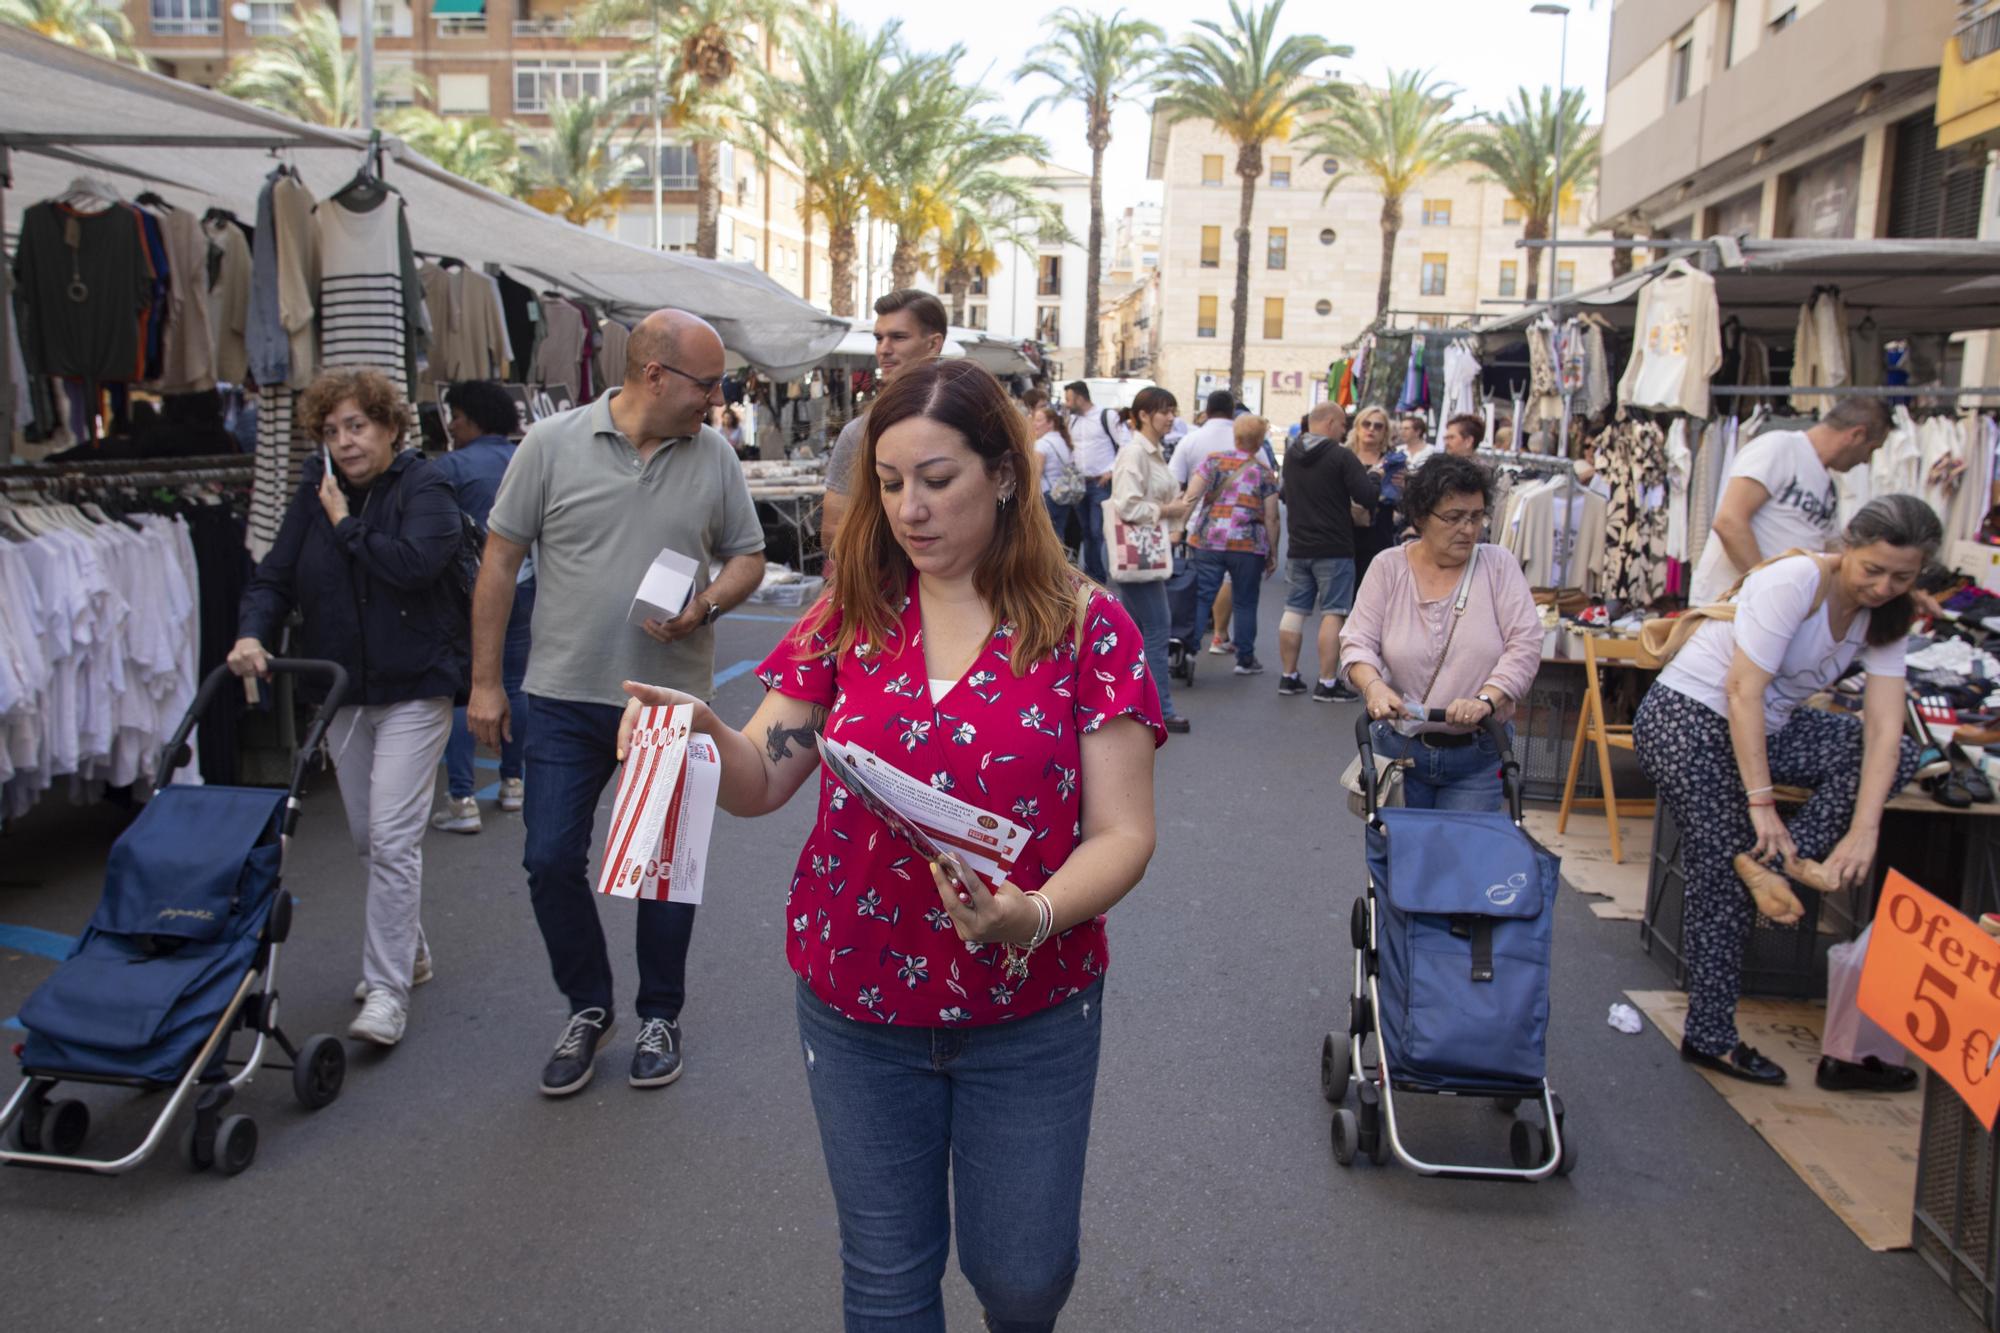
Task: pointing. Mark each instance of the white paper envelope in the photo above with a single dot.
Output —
(664, 592)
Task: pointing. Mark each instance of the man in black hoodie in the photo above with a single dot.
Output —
(1321, 481)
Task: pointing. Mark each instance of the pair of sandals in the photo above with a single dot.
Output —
(1771, 889)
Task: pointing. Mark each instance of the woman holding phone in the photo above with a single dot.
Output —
(950, 1026)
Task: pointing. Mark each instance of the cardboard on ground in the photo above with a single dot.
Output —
(1618, 887)
(1856, 1150)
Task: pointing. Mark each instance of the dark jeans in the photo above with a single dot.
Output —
(1246, 580)
(571, 755)
(991, 1122)
(1147, 605)
(1095, 561)
(1059, 519)
(458, 750)
(1464, 777)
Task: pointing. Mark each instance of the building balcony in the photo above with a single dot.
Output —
(461, 25)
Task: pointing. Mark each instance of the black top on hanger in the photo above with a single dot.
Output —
(153, 200)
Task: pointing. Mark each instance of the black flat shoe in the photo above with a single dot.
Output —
(1871, 1075)
(1177, 726)
(1975, 783)
(1948, 791)
(1744, 1062)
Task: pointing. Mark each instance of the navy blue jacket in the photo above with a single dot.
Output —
(373, 590)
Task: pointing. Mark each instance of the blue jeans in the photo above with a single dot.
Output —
(513, 670)
(1060, 516)
(1095, 561)
(571, 755)
(1246, 580)
(991, 1122)
(1466, 777)
(1325, 586)
(1147, 604)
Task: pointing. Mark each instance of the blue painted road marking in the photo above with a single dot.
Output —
(43, 943)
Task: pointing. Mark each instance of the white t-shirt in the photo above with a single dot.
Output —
(1096, 451)
(1054, 453)
(1801, 510)
(1774, 631)
(1214, 436)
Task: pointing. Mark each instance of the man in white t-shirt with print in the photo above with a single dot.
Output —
(1780, 494)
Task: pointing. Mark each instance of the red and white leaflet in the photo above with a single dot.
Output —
(987, 843)
(684, 846)
(655, 760)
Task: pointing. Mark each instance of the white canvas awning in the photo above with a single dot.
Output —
(66, 113)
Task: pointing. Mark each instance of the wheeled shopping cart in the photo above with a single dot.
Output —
(1451, 977)
(180, 956)
(1182, 650)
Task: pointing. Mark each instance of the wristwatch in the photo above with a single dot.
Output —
(713, 614)
(1492, 708)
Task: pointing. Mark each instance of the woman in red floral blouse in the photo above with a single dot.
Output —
(950, 1028)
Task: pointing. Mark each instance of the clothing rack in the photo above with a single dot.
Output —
(1857, 391)
(131, 472)
(1547, 465)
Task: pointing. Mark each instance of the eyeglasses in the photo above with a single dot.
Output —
(1370, 424)
(1459, 518)
(707, 386)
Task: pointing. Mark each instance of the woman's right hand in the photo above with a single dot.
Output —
(1383, 702)
(649, 696)
(1175, 509)
(248, 658)
(1774, 840)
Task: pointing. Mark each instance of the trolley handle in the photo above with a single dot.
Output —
(177, 752)
(1510, 767)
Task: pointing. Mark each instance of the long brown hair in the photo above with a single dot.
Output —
(1023, 575)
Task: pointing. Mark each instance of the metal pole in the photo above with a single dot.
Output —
(9, 409)
(367, 54)
(1556, 208)
(659, 146)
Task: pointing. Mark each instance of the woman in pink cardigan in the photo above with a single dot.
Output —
(1443, 622)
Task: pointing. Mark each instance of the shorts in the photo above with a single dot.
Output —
(1326, 586)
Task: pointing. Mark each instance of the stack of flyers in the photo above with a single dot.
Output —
(934, 823)
(665, 810)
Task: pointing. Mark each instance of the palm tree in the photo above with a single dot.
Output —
(961, 251)
(97, 26)
(852, 92)
(695, 62)
(1095, 60)
(578, 170)
(308, 75)
(1396, 136)
(945, 156)
(1520, 156)
(1252, 87)
(472, 148)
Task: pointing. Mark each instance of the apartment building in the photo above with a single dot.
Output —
(1035, 292)
(1315, 260)
(1133, 248)
(507, 59)
(1785, 118)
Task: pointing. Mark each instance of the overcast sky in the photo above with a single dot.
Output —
(1487, 47)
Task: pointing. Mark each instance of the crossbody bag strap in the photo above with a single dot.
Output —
(1451, 630)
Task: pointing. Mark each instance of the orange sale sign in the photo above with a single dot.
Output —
(1932, 981)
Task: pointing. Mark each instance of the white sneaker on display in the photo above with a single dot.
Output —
(513, 794)
(418, 976)
(457, 816)
(381, 1020)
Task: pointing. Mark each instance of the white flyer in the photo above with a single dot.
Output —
(655, 759)
(682, 873)
(987, 843)
(664, 592)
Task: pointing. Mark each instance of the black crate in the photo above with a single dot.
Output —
(1787, 962)
(1954, 1227)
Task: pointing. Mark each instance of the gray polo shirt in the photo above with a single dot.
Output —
(846, 452)
(598, 515)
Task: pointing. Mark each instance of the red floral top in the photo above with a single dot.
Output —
(864, 927)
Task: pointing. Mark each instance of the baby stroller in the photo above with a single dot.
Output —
(180, 955)
(1451, 975)
(1181, 647)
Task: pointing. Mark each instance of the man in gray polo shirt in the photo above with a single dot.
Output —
(598, 491)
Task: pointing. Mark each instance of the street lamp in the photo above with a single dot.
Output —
(1562, 79)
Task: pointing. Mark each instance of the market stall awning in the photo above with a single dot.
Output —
(449, 8)
(1908, 286)
(66, 110)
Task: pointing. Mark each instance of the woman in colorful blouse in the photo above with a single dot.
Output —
(1234, 532)
(950, 1028)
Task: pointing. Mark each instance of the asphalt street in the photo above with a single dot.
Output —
(442, 1192)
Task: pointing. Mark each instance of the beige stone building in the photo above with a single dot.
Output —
(1315, 263)
(506, 59)
(1785, 118)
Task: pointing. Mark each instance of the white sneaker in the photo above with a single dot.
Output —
(418, 977)
(513, 794)
(457, 816)
(381, 1020)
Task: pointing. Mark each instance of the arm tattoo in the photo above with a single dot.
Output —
(778, 740)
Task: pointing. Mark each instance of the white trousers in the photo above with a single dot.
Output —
(386, 757)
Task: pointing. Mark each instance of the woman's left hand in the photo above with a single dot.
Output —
(1271, 562)
(332, 498)
(1001, 914)
(1852, 859)
(1467, 712)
